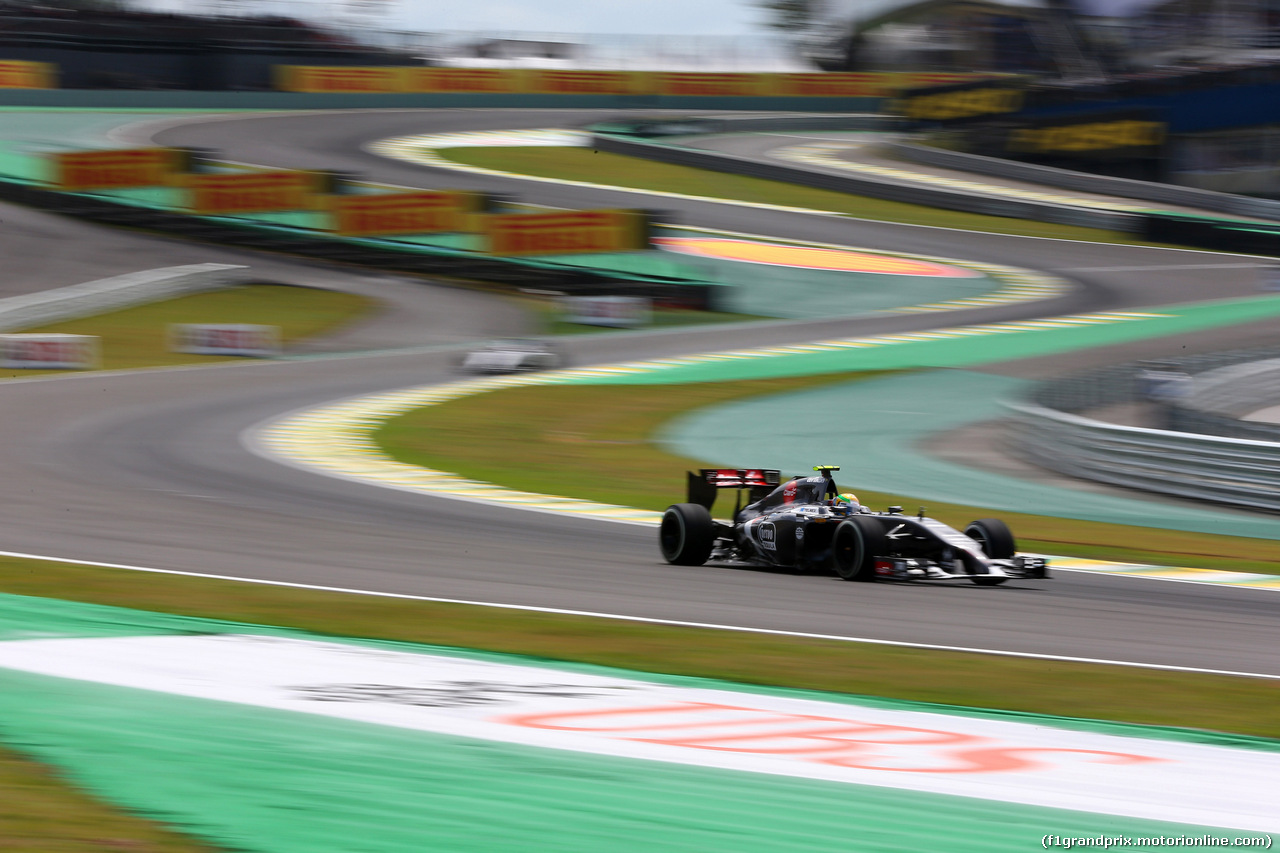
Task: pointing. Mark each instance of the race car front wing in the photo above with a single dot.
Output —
(905, 568)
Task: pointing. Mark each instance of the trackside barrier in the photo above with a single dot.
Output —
(1177, 464)
(500, 273)
(869, 186)
(696, 125)
(1234, 205)
(1236, 390)
(1218, 398)
(110, 294)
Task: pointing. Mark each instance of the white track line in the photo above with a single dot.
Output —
(675, 623)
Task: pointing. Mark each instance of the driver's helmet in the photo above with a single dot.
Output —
(847, 501)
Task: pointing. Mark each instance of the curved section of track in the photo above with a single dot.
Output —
(158, 476)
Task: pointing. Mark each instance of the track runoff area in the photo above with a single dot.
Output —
(390, 747)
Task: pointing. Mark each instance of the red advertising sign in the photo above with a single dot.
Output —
(403, 213)
(100, 170)
(245, 339)
(708, 84)
(251, 192)
(579, 232)
(48, 351)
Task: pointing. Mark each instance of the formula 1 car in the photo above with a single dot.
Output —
(512, 356)
(806, 524)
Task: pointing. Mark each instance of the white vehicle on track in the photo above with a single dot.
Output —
(512, 356)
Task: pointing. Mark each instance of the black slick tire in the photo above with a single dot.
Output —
(854, 547)
(994, 538)
(686, 534)
(996, 541)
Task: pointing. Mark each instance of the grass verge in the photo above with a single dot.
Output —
(594, 442)
(40, 811)
(136, 337)
(584, 164)
(1221, 703)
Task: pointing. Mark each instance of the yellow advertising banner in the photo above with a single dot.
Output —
(252, 192)
(469, 80)
(105, 170)
(403, 213)
(20, 74)
(320, 78)
(834, 85)
(572, 233)
(556, 82)
(710, 84)
(981, 99)
(925, 79)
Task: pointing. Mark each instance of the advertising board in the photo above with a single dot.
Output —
(710, 84)
(244, 339)
(1106, 135)
(569, 233)
(403, 213)
(961, 102)
(251, 192)
(618, 312)
(567, 82)
(320, 78)
(21, 74)
(117, 169)
(834, 85)
(49, 351)
(468, 80)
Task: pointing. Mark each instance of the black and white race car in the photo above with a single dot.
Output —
(806, 523)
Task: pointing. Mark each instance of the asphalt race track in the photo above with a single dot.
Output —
(149, 468)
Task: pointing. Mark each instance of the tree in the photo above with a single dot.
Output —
(792, 15)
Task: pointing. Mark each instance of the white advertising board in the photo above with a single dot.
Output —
(622, 312)
(246, 339)
(34, 351)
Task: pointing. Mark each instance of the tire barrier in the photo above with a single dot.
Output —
(867, 186)
(1205, 453)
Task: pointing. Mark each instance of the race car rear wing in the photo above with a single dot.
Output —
(704, 485)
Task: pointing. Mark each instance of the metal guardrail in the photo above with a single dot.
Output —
(868, 186)
(1234, 205)
(111, 294)
(677, 126)
(1204, 453)
(1225, 470)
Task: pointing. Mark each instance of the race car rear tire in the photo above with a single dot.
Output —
(686, 534)
(994, 538)
(854, 547)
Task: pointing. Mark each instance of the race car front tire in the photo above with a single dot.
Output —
(686, 534)
(994, 538)
(854, 547)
